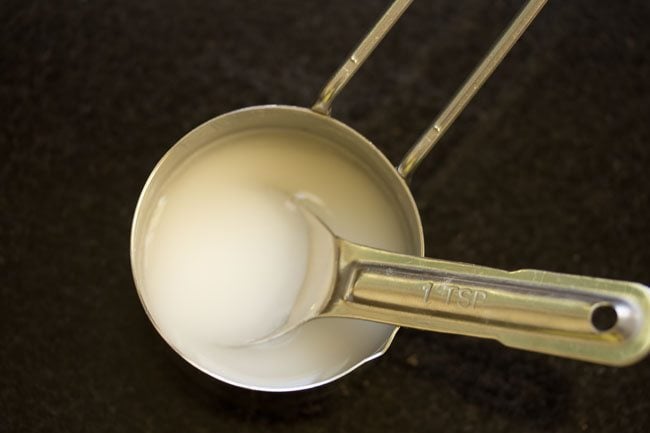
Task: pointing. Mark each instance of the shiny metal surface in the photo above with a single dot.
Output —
(590, 319)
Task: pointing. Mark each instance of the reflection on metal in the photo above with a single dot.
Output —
(539, 311)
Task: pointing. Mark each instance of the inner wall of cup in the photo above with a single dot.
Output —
(346, 140)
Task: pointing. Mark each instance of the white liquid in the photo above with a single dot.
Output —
(225, 256)
(229, 260)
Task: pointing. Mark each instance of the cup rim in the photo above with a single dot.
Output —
(389, 171)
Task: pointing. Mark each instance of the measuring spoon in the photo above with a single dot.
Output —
(591, 319)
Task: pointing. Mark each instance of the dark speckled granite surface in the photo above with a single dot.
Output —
(547, 169)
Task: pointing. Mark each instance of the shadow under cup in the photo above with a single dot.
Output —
(320, 347)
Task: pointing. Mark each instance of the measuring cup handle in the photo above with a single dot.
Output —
(358, 56)
(591, 319)
(466, 92)
(470, 87)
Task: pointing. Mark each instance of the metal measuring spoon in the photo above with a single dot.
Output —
(586, 318)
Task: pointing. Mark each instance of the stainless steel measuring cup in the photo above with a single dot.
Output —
(590, 319)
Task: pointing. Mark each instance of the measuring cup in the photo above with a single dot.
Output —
(584, 318)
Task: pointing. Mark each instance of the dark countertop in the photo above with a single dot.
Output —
(546, 169)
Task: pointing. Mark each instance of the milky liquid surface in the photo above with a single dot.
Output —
(229, 260)
(225, 254)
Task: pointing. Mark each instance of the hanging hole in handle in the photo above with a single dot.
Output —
(604, 317)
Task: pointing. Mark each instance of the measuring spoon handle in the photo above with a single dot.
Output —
(590, 319)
